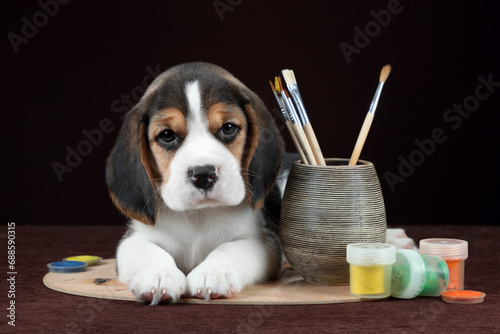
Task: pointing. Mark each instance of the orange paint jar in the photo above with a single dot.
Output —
(454, 252)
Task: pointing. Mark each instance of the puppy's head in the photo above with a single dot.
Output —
(198, 138)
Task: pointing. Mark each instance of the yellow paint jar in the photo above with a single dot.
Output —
(370, 269)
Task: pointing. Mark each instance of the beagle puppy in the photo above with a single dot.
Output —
(194, 167)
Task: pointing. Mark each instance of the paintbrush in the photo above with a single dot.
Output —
(297, 128)
(384, 74)
(291, 83)
(288, 121)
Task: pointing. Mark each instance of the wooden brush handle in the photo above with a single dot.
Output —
(311, 137)
(361, 138)
(296, 142)
(301, 136)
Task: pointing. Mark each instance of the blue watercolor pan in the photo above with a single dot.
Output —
(67, 266)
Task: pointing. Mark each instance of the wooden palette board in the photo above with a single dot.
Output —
(290, 289)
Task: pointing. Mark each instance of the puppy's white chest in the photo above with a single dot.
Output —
(190, 236)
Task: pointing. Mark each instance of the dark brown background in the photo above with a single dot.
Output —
(65, 79)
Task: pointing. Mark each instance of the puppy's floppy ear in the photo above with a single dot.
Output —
(128, 170)
(265, 149)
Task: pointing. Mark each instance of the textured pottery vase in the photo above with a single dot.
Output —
(325, 208)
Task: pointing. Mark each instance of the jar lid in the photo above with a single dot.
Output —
(367, 254)
(445, 248)
(463, 296)
(408, 274)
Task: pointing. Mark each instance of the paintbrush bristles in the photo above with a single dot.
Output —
(281, 85)
(272, 86)
(384, 73)
(277, 85)
(289, 77)
(292, 77)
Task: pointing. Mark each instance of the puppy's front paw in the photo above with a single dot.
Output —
(398, 238)
(214, 281)
(156, 284)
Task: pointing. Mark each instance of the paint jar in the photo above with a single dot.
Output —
(454, 252)
(370, 267)
(418, 275)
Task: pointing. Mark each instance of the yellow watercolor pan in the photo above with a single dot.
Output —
(91, 260)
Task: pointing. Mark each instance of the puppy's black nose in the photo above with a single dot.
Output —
(203, 177)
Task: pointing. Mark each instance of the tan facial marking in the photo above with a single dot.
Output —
(169, 118)
(221, 113)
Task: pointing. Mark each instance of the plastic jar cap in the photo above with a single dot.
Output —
(408, 274)
(367, 254)
(445, 248)
(463, 296)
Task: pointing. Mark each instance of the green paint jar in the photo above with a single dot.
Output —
(415, 275)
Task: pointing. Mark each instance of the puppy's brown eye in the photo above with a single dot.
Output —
(229, 129)
(228, 132)
(168, 139)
